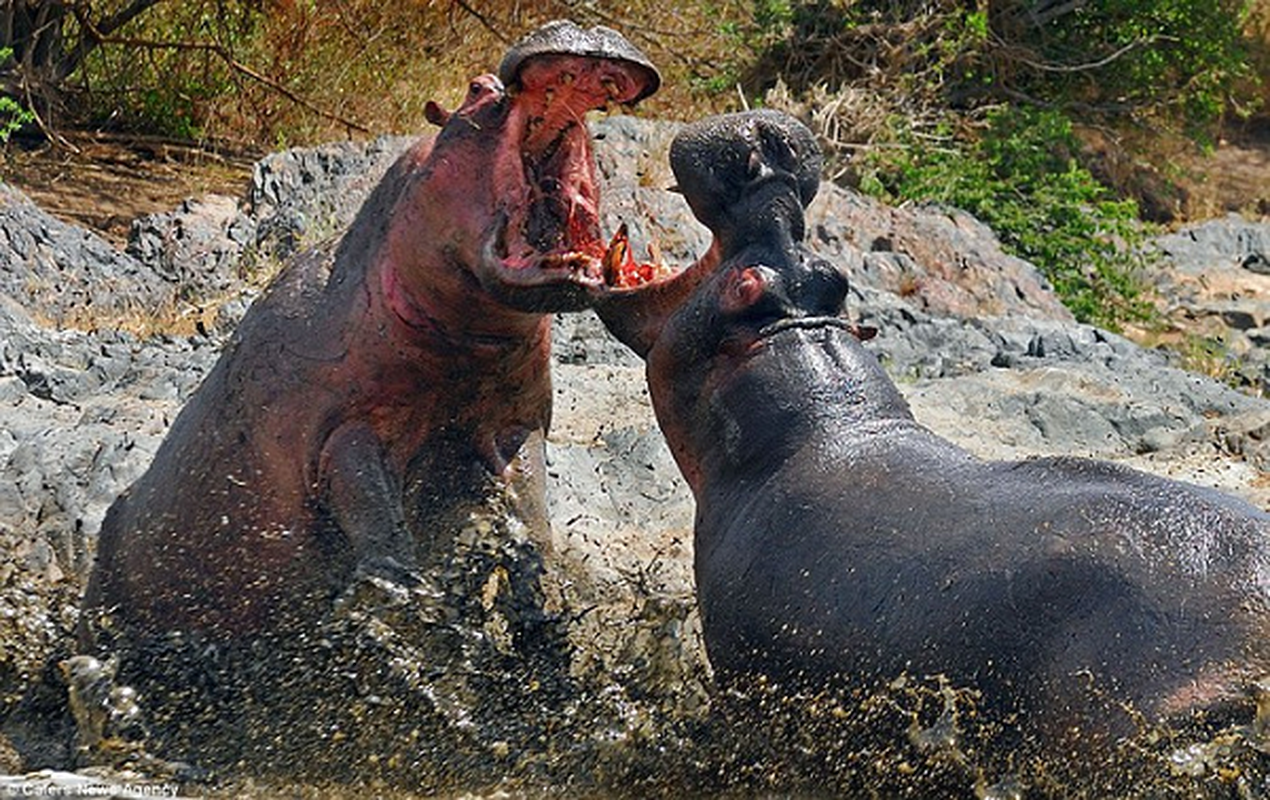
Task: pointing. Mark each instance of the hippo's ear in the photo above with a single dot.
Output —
(435, 114)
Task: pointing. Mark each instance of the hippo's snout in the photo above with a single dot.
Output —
(819, 289)
(770, 290)
(601, 43)
(540, 248)
(733, 166)
(750, 177)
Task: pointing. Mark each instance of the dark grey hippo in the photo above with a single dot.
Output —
(839, 542)
(385, 383)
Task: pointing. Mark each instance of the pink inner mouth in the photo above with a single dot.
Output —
(552, 230)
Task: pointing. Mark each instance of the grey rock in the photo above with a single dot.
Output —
(1228, 242)
(1240, 315)
(1256, 262)
(196, 246)
(300, 195)
(1259, 337)
(66, 275)
(1044, 386)
(940, 260)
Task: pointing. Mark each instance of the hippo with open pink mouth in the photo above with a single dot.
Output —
(385, 381)
(839, 542)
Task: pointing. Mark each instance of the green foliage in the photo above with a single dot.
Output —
(1021, 178)
(170, 85)
(13, 115)
(1177, 61)
(299, 71)
(1178, 58)
(772, 16)
(1211, 356)
(919, 86)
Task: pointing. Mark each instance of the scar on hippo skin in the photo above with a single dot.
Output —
(840, 543)
(412, 355)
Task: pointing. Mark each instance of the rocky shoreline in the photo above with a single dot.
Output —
(984, 352)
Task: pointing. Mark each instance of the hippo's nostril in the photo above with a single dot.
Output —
(745, 289)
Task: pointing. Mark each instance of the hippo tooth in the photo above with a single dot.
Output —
(566, 78)
(654, 255)
(614, 255)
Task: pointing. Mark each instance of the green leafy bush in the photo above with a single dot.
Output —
(13, 115)
(1176, 59)
(971, 104)
(171, 74)
(1021, 177)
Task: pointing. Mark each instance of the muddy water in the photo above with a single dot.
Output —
(521, 669)
(492, 680)
(571, 668)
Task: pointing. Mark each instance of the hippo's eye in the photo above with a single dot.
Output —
(473, 90)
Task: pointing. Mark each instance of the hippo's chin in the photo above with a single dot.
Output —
(761, 340)
(862, 333)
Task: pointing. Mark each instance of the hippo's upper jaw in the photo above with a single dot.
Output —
(544, 251)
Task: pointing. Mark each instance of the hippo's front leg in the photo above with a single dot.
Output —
(361, 491)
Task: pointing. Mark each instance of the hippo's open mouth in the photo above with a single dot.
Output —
(547, 230)
(861, 332)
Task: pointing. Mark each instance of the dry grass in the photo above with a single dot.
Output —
(376, 63)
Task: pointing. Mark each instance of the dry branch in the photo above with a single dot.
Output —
(1093, 65)
(223, 53)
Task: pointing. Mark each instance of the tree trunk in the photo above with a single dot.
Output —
(33, 30)
(50, 40)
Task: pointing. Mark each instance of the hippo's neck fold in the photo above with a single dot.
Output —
(802, 383)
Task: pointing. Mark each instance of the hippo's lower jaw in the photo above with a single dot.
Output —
(564, 280)
(556, 281)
